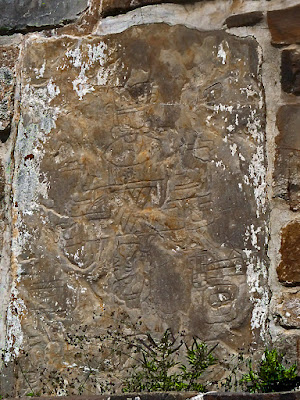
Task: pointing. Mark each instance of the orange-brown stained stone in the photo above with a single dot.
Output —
(289, 269)
(284, 25)
(85, 23)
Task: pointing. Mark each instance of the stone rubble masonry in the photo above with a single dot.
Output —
(149, 178)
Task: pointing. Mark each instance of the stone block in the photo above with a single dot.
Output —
(290, 71)
(288, 310)
(287, 161)
(284, 25)
(20, 15)
(245, 19)
(289, 268)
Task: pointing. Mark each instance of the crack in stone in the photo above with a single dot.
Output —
(31, 29)
(116, 10)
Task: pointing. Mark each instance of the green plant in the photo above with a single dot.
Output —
(158, 368)
(271, 375)
(199, 358)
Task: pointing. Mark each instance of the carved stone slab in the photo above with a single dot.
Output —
(139, 189)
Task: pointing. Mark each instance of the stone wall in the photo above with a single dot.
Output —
(149, 178)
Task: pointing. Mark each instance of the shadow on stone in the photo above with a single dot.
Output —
(5, 133)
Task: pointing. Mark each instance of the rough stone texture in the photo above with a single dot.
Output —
(141, 157)
(289, 268)
(290, 71)
(289, 310)
(18, 15)
(287, 163)
(284, 25)
(246, 19)
(8, 57)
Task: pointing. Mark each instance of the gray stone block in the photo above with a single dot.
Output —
(18, 15)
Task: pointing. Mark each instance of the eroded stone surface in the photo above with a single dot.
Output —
(26, 14)
(8, 58)
(284, 25)
(289, 268)
(9, 52)
(139, 191)
(287, 163)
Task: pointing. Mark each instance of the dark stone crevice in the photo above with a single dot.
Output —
(121, 7)
(245, 19)
(5, 134)
(29, 29)
(286, 326)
